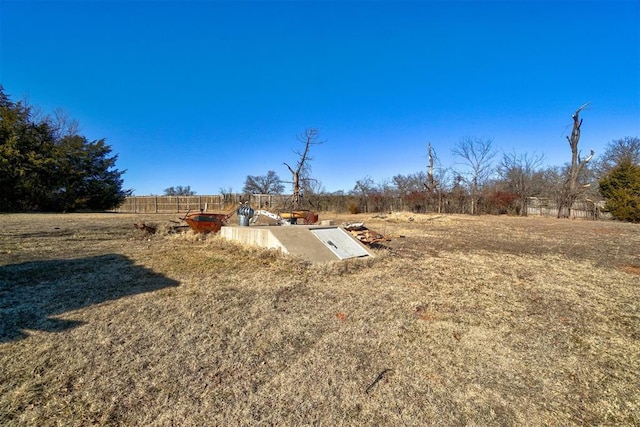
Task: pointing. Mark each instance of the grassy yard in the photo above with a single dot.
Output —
(458, 320)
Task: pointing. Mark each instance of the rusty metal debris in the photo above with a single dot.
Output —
(207, 222)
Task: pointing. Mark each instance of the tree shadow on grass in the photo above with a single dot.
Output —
(32, 292)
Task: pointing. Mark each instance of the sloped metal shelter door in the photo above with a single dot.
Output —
(340, 243)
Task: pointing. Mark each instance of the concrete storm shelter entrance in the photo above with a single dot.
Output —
(312, 243)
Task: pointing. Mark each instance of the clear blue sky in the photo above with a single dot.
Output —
(204, 93)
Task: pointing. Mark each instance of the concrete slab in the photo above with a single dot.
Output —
(295, 239)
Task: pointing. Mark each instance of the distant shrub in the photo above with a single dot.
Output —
(500, 202)
(353, 208)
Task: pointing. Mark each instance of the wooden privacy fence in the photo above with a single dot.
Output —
(170, 204)
(581, 209)
(176, 204)
(584, 209)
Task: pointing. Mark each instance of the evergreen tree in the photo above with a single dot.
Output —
(43, 170)
(25, 156)
(621, 189)
(84, 178)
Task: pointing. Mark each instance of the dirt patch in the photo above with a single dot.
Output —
(631, 269)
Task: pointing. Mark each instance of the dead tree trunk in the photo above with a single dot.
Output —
(432, 184)
(572, 187)
(301, 171)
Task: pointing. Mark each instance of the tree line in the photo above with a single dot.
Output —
(46, 165)
(486, 181)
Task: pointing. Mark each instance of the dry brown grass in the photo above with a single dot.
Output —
(463, 321)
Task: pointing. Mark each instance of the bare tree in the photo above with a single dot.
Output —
(227, 195)
(179, 191)
(62, 124)
(519, 172)
(477, 154)
(619, 151)
(365, 188)
(60, 121)
(410, 183)
(312, 186)
(263, 184)
(225, 192)
(572, 188)
(302, 170)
